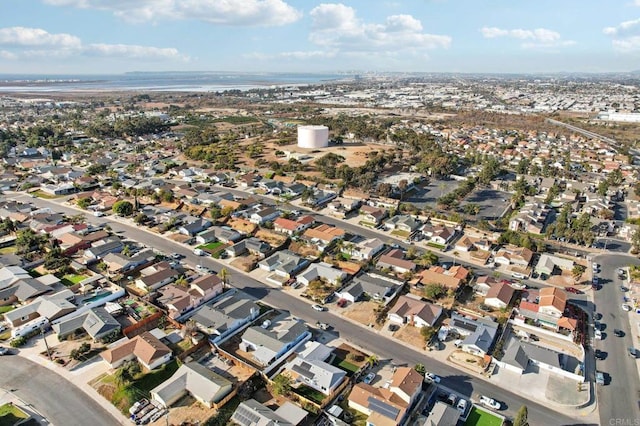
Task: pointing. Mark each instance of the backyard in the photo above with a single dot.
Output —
(123, 395)
(72, 279)
(310, 393)
(478, 417)
(11, 415)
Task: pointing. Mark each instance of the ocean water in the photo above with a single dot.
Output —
(161, 81)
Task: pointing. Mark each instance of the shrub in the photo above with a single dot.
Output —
(17, 342)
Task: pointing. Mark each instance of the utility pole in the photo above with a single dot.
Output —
(45, 343)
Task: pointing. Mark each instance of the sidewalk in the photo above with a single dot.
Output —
(79, 375)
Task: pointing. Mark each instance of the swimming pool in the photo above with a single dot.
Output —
(100, 295)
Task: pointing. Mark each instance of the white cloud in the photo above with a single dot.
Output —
(336, 27)
(629, 44)
(36, 42)
(539, 38)
(625, 36)
(220, 12)
(132, 51)
(624, 28)
(21, 36)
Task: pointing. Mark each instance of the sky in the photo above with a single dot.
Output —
(309, 36)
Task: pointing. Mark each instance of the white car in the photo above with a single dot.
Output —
(598, 334)
(462, 405)
(595, 266)
(319, 308)
(432, 377)
(626, 307)
(489, 402)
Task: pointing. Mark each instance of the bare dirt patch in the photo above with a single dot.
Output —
(411, 335)
(245, 263)
(242, 225)
(364, 313)
(186, 411)
(303, 249)
(272, 238)
(468, 361)
(564, 280)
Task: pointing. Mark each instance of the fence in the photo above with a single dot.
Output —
(145, 324)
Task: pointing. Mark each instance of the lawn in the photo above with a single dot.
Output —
(436, 245)
(400, 233)
(125, 396)
(479, 417)
(72, 279)
(5, 309)
(8, 250)
(310, 393)
(10, 415)
(211, 246)
(345, 365)
(45, 195)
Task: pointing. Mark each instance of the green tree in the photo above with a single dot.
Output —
(225, 276)
(577, 271)
(434, 291)
(521, 418)
(281, 384)
(123, 208)
(427, 333)
(83, 203)
(420, 368)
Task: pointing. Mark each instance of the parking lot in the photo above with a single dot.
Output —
(426, 196)
(492, 203)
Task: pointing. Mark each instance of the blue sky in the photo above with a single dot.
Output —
(114, 36)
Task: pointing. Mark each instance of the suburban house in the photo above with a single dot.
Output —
(206, 236)
(225, 234)
(373, 215)
(264, 215)
(118, 263)
(512, 255)
(203, 384)
(323, 271)
(146, 348)
(194, 227)
(52, 307)
(479, 332)
(364, 250)
(155, 276)
(311, 369)
(395, 261)
(483, 284)
(226, 315)
(451, 278)
(442, 414)
(288, 226)
(439, 234)
(499, 296)
(99, 249)
(323, 235)
(403, 222)
(252, 413)
(96, 322)
(23, 289)
(532, 218)
(375, 286)
(548, 264)
(251, 245)
(320, 197)
(273, 338)
(415, 312)
(391, 405)
(179, 300)
(283, 263)
(551, 306)
(465, 244)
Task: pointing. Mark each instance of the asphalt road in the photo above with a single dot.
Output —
(57, 399)
(369, 340)
(620, 398)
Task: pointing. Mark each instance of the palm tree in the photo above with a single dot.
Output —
(372, 360)
(225, 276)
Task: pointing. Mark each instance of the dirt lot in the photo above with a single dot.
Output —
(180, 238)
(468, 361)
(242, 225)
(564, 280)
(363, 312)
(411, 335)
(303, 249)
(274, 239)
(244, 263)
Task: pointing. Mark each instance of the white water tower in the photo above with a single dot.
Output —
(313, 137)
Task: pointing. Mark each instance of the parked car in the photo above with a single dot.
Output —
(369, 378)
(633, 352)
(462, 405)
(176, 256)
(600, 354)
(4, 351)
(323, 325)
(519, 286)
(138, 405)
(618, 332)
(626, 307)
(623, 289)
(452, 398)
(319, 308)
(432, 377)
(599, 378)
(595, 266)
(457, 343)
(598, 334)
(342, 303)
(394, 327)
(573, 290)
(489, 402)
